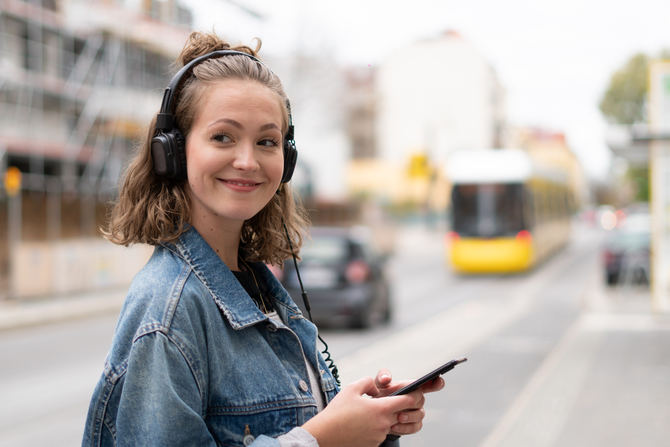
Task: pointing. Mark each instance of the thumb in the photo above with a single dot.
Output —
(383, 379)
(366, 385)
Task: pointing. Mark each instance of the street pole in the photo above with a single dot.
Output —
(659, 123)
(14, 217)
(14, 234)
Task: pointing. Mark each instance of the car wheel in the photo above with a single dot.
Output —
(364, 320)
(612, 279)
(640, 276)
(388, 308)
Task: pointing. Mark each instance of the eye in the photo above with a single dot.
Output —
(221, 138)
(268, 142)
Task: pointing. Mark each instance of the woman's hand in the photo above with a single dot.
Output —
(409, 420)
(362, 414)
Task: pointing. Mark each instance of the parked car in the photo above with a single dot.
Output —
(626, 251)
(344, 277)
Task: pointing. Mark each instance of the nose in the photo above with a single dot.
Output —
(245, 157)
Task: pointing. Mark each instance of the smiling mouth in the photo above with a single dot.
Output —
(241, 183)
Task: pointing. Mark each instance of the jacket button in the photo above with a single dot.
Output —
(272, 327)
(303, 386)
(248, 437)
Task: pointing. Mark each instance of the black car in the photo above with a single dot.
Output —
(344, 278)
(626, 252)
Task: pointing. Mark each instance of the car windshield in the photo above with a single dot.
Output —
(632, 234)
(323, 249)
(636, 223)
(632, 240)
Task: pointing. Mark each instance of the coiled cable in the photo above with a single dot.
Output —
(326, 355)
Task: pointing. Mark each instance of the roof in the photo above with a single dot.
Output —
(497, 166)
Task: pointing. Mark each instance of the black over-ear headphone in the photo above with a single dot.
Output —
(168, 149)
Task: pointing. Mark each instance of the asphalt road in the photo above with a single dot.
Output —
(507, 326)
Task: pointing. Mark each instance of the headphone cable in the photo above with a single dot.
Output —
(327, 358)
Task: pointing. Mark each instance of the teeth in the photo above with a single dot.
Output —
(242, 184)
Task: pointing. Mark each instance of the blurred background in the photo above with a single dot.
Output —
(486, 179)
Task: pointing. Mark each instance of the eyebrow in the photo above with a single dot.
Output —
(237, 124)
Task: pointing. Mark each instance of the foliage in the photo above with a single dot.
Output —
(639, 176)
(625, 100)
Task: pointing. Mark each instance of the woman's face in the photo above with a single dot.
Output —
(234, 154)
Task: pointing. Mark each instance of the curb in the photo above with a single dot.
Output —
(27, 313)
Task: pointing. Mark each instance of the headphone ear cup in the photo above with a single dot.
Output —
(290, 159)
(180, 163)
(169, 155)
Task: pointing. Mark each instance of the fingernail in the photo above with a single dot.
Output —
(403, 418)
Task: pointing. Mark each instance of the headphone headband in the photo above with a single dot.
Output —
(167, 145)
(165, 120)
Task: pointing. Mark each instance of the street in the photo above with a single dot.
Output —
(505, 325)
(516, 331)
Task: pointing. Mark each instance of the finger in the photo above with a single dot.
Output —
(406, 429)
(383, 379)
(411, 417)
(366, 385)
(394, 386)
(404, 402)
(434, 385)
(419, 399)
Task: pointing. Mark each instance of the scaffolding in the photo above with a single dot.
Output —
(79, 80)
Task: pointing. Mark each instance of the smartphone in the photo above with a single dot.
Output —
(428, 377)
(391, 439)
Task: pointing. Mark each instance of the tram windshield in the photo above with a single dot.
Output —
(487, 210)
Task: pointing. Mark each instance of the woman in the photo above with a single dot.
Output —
(209, 348)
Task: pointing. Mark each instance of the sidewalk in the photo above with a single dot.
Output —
(15, 314)
(606, 384)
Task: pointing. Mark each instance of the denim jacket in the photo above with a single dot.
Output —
(195, 362)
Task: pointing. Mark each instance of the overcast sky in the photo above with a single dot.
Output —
(554, 57)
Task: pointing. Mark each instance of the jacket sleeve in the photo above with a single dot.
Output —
(161, 401)
(298, 437)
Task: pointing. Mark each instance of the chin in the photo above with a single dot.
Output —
(241, 215)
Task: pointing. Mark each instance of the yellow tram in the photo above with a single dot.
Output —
(506, 213)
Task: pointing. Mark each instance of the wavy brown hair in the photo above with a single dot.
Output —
(153, 210)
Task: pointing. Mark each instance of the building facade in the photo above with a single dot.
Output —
(435, 96)
(79, 82)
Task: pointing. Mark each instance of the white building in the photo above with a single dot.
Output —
(316, 86)
(435, 96)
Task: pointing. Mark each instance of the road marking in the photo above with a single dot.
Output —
(625, 322)
(526, 424)
(17, 315)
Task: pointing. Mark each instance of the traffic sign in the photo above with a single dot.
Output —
(419, 166)
(12, 180)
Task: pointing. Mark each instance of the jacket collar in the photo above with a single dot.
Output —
(228, 294)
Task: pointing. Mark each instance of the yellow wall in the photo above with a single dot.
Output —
(393, 183)
(551, 149)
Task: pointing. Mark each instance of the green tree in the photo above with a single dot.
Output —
(625, 102)
(625, 99)
(639, 176)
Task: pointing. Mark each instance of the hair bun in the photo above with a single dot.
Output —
(199, 43)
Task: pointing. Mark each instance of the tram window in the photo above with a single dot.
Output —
(488, 210)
